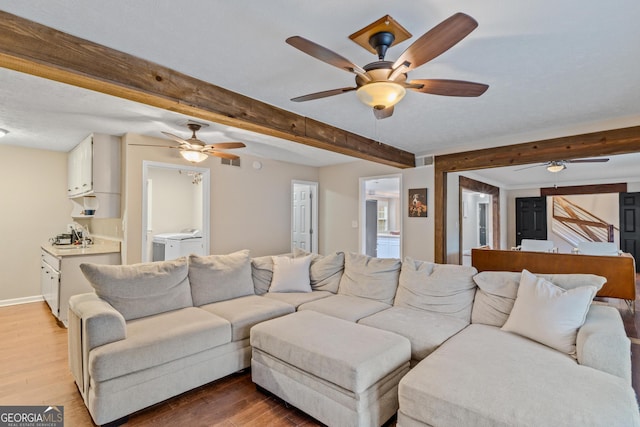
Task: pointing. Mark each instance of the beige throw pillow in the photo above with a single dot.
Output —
(141, 290)
(497, 292)
(220, 277)
(291, 274)
(548, 314)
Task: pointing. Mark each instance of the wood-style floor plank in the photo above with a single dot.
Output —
(34, 371)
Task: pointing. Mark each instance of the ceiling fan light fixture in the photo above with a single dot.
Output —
(555, 167)
(381, 95)
(194, 156)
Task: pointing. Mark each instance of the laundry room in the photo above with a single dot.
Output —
(174, 212)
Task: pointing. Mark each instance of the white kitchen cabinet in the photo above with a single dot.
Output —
(61, 277)
(94, 170)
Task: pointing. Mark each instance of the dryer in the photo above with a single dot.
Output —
(167, 246)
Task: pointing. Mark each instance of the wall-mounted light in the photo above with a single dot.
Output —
(3, 132)
(556, 166)
(194, 156)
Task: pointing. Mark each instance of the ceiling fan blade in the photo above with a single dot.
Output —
(324, 54)
(449, 87)
(221, 154)
(383, 113)
(586, 161)
(436, 41)
(529, 167)
(224, 146)
(176, 138)
(323, 94)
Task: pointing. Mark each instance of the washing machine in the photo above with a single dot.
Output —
(167, 246)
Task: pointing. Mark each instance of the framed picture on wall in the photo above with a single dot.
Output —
(418, 203)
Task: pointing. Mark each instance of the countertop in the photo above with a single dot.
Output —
(100, 246)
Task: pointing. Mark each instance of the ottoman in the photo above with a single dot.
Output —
(339, 372)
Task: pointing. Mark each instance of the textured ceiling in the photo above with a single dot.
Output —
(554, 69)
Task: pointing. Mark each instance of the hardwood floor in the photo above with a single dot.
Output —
(34, 371)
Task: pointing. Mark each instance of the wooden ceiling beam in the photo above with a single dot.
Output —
(32, 48)
(596, 144)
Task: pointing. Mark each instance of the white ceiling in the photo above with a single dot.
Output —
(554, 69)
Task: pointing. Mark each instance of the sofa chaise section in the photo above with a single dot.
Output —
(484, 376)
(493, 373)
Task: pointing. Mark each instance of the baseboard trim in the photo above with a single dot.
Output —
(23, 300)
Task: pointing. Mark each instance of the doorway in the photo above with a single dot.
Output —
(304, 216)
(174, 198)
(479, 217)
(381, 216)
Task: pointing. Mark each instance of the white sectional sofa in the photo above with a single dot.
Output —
(152, 331)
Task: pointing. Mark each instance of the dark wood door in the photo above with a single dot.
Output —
(630, 225)
(531, 218)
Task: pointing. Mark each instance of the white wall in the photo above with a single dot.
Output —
(34, 208)
(176, 201)
(339, 200)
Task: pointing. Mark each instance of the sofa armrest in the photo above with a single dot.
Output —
(603, 344)
(92, 322)
(102, 323)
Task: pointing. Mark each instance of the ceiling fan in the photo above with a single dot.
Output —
(382, 84)
(560, 165)
(195, 150)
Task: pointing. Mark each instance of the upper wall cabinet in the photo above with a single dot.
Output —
(94, 166)
(94, 170)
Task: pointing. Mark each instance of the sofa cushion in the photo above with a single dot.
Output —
(183, 332)
(325, 271)
(140, 290)
(291, 274)
(262, 273)
(345, 307)
(296, 299)
(220, 277)
(438, 288)
(245, 312)
(487, 377)
(497, 292)
(369, 277)
(425, 330)
(549, 314)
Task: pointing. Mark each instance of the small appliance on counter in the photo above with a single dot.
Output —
(75, 235)
(62, 239)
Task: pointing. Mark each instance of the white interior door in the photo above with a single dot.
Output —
(303, 216)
